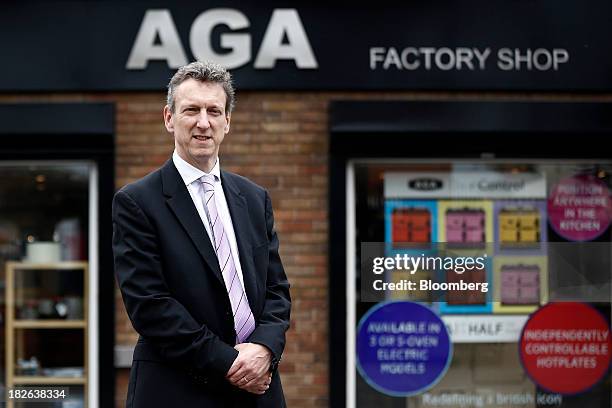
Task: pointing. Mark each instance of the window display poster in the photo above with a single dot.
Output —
(565, 347)
(579, 208)
(497, 184)
(520, 227)
(468, 223)
(464, 301)
(410, 221)
(403, 348)
(410, 227)
(520, 283)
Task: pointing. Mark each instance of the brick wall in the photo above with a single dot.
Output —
(279, 140)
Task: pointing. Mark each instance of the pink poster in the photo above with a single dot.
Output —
(579, 207)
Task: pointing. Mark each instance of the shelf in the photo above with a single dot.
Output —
(42, 380)
(51, 265)
(49, 324)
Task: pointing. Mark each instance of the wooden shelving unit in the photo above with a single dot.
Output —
(49, 324)
(15, 328)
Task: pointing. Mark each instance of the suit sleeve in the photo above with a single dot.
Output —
(154, 313)
(274, 320)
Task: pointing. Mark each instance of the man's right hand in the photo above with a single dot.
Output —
(250, 370)
(259, 385)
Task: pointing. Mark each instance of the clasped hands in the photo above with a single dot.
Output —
(251, 369)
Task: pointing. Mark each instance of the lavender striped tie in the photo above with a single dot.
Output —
(244, 322)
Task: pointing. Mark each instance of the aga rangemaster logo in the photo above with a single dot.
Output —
(425, 184)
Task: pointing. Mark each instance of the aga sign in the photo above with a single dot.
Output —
(284, 39)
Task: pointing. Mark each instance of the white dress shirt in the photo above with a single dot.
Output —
(190, 176)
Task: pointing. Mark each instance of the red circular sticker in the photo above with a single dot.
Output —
(579, 207)
(565, 347)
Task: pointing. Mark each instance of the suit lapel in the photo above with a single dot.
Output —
(239, 213)
(181, 204)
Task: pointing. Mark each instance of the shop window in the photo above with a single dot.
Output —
(46, 210)
(524, 214)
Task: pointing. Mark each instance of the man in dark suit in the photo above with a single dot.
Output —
(196, 258)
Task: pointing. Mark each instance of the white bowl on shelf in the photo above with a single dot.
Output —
(43, 252)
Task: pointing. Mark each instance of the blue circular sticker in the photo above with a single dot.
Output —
(403, 348)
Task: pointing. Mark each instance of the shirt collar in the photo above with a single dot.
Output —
(189, 173)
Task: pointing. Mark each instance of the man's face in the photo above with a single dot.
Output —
(199, 122)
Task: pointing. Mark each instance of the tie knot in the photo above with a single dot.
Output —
(208, 178)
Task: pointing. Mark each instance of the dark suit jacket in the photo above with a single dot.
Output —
(175, 296)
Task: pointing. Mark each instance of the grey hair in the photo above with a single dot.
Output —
(203, 72)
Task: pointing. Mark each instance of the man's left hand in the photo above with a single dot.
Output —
(252, 363)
